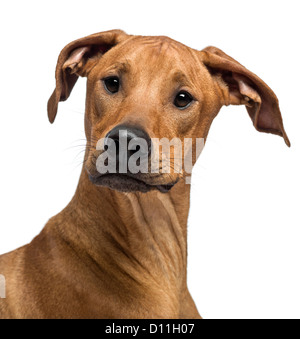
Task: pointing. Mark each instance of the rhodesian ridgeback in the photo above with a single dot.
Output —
(119, 249)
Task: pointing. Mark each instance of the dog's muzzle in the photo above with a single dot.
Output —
(126, 161)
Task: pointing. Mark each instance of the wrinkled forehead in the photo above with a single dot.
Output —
(154, 55)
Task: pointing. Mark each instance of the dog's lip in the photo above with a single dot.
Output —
(162, 188)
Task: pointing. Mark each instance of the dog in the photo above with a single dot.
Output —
(119, 249)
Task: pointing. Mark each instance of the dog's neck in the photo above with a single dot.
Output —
(137, 235)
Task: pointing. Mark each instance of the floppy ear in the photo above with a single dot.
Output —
(75, 60)
(239, 86)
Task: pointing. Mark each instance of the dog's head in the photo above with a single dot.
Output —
(150, 100)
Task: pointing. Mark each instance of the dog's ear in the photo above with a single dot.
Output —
(75, 60)
(239, 86)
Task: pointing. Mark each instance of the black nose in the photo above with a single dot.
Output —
(128, 141)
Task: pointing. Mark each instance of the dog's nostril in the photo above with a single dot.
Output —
(117, 143)
(112, 143)
(135, 148)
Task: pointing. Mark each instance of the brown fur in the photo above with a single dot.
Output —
(110, 254)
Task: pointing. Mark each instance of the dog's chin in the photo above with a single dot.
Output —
(125, 183)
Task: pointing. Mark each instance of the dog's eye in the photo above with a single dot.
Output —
(183, 100)
(112, 84)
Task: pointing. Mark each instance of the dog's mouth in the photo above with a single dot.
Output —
(126, 183)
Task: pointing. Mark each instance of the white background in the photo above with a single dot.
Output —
(244, 222)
